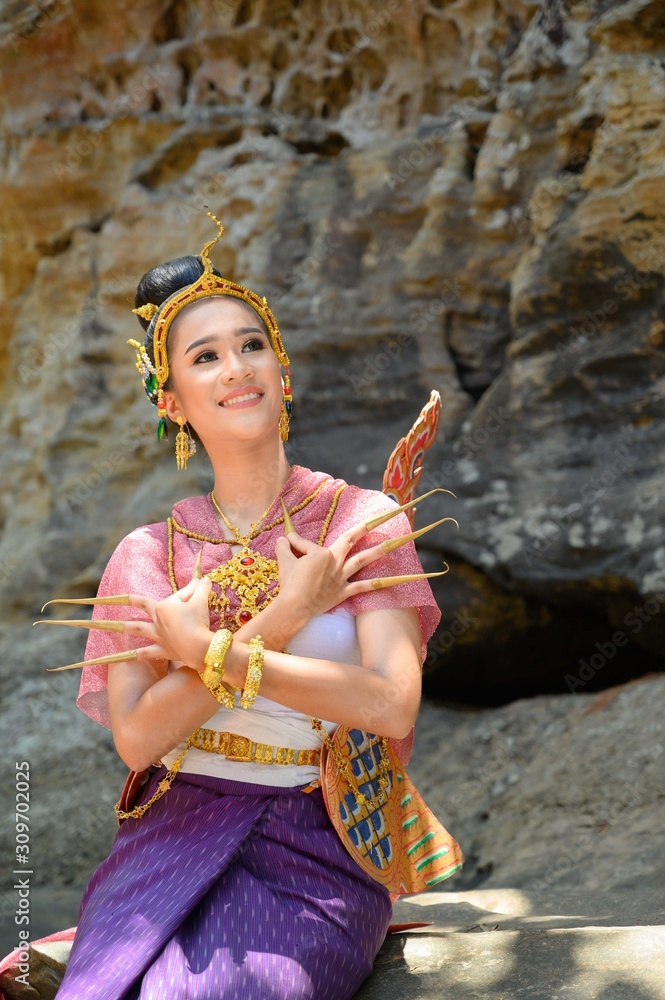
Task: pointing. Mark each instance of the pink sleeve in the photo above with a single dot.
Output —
(360, 505)
(138, 566)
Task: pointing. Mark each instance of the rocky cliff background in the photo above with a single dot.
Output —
(464, 196)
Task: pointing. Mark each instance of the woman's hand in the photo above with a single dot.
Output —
(180, 626)
(318, 578)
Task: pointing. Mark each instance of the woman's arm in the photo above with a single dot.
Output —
(381, 696)
(182, 702)
(150, 714)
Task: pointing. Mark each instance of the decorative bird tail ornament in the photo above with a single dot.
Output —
(404, 468)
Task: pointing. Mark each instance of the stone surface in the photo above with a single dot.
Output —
(53, 908)
(495, 943)
(551, 792)
(47, 962)
(492, 945)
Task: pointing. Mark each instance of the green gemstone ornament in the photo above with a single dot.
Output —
(161, 429)
(151, 384)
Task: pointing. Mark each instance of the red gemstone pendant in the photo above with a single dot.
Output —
(247, 561)
(245, 616)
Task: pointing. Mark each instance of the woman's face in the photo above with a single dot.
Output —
(218, 347)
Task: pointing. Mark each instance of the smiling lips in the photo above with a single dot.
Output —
(245, 398)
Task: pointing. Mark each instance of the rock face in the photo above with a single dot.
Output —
(551, 792)
(45, 966)
(461, 196)
(454, 196)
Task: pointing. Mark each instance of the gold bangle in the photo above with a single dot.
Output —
(214, 658)
(221, 693)
(254, 672)
(213, 674)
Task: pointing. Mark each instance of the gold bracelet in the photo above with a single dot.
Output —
(254, 672)
(214, 658)
(213, 674)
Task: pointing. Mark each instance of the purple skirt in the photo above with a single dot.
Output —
(224, 890)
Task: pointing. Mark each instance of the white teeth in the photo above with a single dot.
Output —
(239, 399)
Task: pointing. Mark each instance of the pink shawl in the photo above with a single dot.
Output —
(139, 565)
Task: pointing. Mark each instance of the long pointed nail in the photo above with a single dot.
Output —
(197, 574)
(117, 599)
(130, 654)
(106, 626)
(394, 543)
(288, 523)
(374, 522)
(390, 581)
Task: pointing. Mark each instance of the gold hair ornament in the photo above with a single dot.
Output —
(146, 311)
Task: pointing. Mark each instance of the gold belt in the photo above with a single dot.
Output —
(241, 748)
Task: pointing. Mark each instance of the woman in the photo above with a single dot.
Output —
(233, 882)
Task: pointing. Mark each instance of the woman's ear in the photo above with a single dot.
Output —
(172, 407)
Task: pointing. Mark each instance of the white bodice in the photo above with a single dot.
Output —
(330, 636)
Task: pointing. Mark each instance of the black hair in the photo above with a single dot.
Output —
(164, 280)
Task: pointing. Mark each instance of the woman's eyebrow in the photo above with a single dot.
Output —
(242, 330)
(210, 338)
(197, 343)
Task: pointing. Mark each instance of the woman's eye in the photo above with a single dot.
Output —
(204, 356)
(255, 341)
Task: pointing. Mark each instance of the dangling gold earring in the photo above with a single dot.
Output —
(185, 446)
(285, 413)
(284, 423)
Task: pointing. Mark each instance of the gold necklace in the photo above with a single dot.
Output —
(252, 533)
(215, 601)
(247, 572)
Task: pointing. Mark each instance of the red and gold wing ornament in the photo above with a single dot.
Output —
(402, 475)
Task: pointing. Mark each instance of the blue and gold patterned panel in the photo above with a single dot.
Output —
(365, 823)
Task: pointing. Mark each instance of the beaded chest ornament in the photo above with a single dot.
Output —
(248, 573)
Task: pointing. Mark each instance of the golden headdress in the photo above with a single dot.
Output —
(155, 375)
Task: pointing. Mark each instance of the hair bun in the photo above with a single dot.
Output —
(163, 280)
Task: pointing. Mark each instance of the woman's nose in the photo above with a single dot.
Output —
(235, 366)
